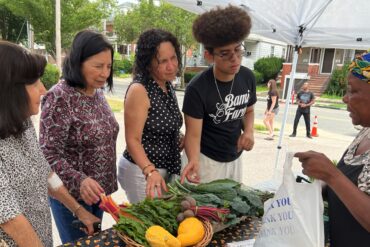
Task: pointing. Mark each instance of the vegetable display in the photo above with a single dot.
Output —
(221, 201)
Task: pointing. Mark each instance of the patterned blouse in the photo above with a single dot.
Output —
(23, 184)
(363, 159)
(78, 136)
(160, 137)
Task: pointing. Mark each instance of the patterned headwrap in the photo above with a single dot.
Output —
(360, 67)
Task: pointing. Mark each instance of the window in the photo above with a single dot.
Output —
(315, 55)
(272, 53)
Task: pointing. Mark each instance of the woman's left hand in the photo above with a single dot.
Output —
(154, 184)
(316, 165)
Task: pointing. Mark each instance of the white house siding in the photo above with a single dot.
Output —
(259, 49)
(251, 55)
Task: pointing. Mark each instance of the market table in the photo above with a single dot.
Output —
(247, 229)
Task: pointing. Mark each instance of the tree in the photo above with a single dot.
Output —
(76, 15)
(12, 28)
(146, 14)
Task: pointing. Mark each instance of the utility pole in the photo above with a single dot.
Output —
(30, 36)
(58, 46)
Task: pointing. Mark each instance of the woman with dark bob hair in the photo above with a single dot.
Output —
(152, 118)
(25, 176)
(78, 130)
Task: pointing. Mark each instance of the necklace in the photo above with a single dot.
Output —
(219, 94)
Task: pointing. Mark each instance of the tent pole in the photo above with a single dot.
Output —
(287, 103)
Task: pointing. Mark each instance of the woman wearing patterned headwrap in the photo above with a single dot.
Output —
(348, 184)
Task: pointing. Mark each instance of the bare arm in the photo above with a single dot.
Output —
(246, 139)
(22, 232)
(192, 148)
(61, 194)
(137, 105)
(317, 165)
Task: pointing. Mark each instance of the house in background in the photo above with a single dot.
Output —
(108, 30)
(257, 47)
(315, 66)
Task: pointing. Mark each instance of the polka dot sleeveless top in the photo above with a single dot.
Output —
(160, 137)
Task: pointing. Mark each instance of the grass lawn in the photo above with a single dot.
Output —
(261, 127)
(329, 96)
(261, 88)
(124, 76)
(115, 105)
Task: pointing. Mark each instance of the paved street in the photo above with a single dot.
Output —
(330, 120)
(335, 130)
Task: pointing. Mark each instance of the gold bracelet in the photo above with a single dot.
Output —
(146, 166)
(75, 211)
(150, 173)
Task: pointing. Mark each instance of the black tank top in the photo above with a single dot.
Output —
(345, 231)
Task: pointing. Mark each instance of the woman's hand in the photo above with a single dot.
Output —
(317, 165)
(87, 219)
(90, 191)
(154, 183)
(191, 173)
(181, 141)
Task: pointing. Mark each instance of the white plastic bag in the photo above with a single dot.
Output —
(294, 216)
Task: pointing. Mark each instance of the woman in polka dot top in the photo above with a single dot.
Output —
(152, 118)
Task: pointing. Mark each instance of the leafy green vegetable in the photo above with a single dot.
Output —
(133, 229)
(240, 206)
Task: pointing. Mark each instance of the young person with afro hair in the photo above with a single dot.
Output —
(218, 103)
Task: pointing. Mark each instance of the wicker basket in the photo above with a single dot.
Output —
(204, 242)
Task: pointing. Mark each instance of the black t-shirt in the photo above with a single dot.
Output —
(305, 98)
(269, 100)
(222, 125)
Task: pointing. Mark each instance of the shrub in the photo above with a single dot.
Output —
(51, 76)
(338, 81)
(123, 66)
(268, 67)
(258, 76)
(188, 76)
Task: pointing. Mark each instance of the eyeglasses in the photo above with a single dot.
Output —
(226, 55)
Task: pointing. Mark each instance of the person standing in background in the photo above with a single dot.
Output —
(305, 99)
(78, 130)
(272, 107)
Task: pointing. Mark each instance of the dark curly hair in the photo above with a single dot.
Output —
(221, 26)
(18, 68)
(147, 49)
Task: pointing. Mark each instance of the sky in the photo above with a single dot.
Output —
(125, 1)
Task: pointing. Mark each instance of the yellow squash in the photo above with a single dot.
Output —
(190, 231)
(157, 236)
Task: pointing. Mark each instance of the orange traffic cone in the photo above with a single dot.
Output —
(314, 128)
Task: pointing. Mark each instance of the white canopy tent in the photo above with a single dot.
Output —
(301, 23)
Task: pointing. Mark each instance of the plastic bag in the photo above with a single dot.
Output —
(294, 216)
